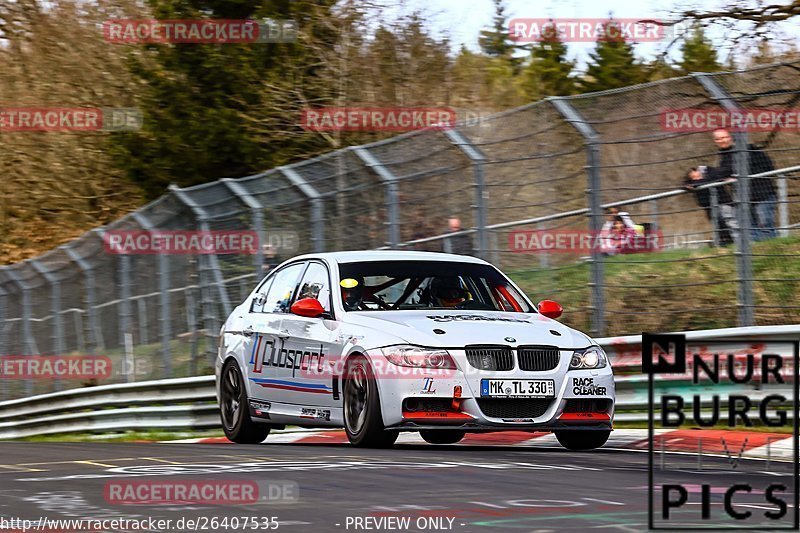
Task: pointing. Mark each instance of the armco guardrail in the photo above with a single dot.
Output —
(190, 403)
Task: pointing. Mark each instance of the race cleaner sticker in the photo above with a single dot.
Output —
(586, 387)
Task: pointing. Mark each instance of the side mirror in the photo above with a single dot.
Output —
(308, 307)
(550, 309)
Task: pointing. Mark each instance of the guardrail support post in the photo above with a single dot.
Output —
(392, 193)
(592, 141)
(317, 207)
(741, 167)
(460, 141)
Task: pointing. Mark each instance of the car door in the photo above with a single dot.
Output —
(311, 340)
(266, 358)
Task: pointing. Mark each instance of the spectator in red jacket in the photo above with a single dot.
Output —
(621, 239)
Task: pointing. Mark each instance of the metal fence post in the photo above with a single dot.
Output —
(28, 341)
(258, 220)
(741, 167)
(592, 141)
(165, 316)
(317, 207)
(654, 214)
(57, 344)
(95, 332)
(124, 297)
(478, 159)
(783, 206)
(3, 345)
(392, 192)
(208, 263)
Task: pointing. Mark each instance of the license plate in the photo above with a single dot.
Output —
(518, 388)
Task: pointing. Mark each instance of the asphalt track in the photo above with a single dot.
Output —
(439, 488)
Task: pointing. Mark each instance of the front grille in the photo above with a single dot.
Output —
(538, 358)
(514, 407)
(490, 357)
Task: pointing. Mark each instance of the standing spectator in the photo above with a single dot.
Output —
(763, 197)
(728, 223)
(457, 244)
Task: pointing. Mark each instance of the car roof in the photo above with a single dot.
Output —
(389, 255)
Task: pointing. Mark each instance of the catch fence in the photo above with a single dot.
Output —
(548, 167)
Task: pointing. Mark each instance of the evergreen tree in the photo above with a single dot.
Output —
(612, 65)
(212, 111)
(549, 71)
(494, 42)
(698, 53)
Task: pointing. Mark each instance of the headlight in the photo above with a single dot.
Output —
(592, 357)
(418, 357)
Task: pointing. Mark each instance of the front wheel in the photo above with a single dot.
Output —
(234, 408)
(581, 440)
(441, 436)
(363, 422)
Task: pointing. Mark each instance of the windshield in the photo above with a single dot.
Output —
(399, 285)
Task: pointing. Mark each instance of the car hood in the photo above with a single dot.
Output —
(468, 327)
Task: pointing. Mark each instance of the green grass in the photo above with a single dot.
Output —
(648, 291)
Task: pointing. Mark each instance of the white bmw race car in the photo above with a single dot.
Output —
(380, 342)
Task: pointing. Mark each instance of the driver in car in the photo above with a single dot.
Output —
(448, 292)
(352, 293)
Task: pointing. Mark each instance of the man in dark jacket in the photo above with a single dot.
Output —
(727, 223)
(762, 191)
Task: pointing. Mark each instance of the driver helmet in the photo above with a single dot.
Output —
(352, 292)
(448, 291)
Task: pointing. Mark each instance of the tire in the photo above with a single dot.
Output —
(441, 436)
(363, 422)
(234, 409)
(581, 440)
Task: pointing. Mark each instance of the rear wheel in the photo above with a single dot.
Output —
(579, 440)
(363, 422)
(234, 408)
(441, 436)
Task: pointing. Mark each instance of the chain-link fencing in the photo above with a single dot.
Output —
(724, 254)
